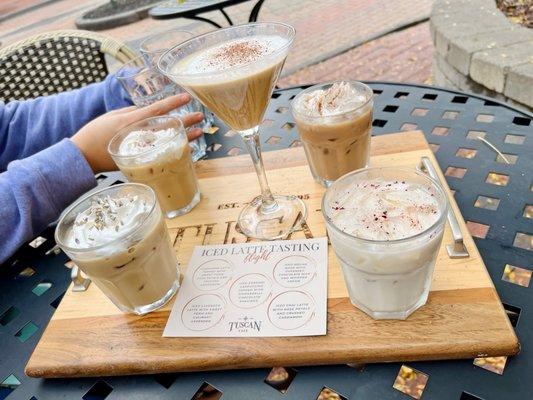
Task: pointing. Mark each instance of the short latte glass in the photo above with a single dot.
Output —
(334, 121)
(123, 245)
(387, 279)
(155, 152)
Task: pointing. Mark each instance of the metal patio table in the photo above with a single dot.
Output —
(191, 8)
(495, 197)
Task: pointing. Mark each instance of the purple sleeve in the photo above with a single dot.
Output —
(35, 190)
(29, 126)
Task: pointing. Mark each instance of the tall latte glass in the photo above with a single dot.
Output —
(155, 152)
(386, 227)
(118, 237)
(334, 121)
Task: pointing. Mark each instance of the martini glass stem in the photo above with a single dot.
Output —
(252, 141)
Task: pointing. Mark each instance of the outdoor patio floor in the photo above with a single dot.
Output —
(336, 39)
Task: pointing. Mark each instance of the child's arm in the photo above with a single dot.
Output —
(35, 190)
(29, 126)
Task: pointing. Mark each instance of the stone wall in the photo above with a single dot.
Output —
(479, 50)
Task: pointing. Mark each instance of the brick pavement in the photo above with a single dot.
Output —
(404, 56)
(8, 7)
(324, 28)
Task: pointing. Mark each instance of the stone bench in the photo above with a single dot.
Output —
(479, 50)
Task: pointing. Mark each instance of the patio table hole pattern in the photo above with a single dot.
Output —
(9, 315)
(8, 385)
(513, 312)
(26, 272)
(517, 275)
(207, 392)
(329, 394)
(419, 112)
(466, 152)
(450, 115)
(488, 203)
(280, 378)
(468, 396)
(26, 331)
(99, 391)
(494, 197)
(411, 382)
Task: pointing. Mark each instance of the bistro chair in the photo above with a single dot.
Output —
(57, 61)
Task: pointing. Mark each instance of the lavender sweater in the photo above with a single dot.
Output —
(41, 170)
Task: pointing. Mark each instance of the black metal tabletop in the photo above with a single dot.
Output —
(494, 193)
(191, 8)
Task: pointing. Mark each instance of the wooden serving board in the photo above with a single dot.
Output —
(89, 336)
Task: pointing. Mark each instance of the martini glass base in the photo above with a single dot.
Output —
(277, 223)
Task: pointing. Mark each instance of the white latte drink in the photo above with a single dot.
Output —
(238, 96)
(118, 237)
(386, 227)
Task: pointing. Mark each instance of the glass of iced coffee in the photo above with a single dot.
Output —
(155, 152)
(334, 121)
(146, 84)
(386, 227)
(118, 237)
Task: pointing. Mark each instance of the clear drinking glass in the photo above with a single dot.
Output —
(155, 45)
(386, 279)
(146, 84)
(338, 143)
(137, 269)
(166, 167)
(239, 96)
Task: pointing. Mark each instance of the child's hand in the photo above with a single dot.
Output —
(93, 138)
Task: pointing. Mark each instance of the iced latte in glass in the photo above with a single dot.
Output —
(334, 121)
(155, 152)
(118, 237)
(386, 227)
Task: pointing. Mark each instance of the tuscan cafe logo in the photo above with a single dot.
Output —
(245, 325)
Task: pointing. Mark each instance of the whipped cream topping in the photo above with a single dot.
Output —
(107, 219)
(137, 142)
(153, 143)
(232, 53)
(384, 210)
(337, 99)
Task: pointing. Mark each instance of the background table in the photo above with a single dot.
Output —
(495, 198)
(191, 8)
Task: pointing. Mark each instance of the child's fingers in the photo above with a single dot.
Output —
(191, 119)
(194, 133)
(160, 107)
(121, 110)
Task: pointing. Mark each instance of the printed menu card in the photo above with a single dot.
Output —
(253, 289)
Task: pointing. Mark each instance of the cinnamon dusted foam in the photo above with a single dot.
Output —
(229, 54)
(339, 98)
(380, 209)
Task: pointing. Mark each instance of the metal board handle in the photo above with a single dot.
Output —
(458, 248)
(80, 282)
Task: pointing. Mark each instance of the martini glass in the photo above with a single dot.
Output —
(239, 96)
